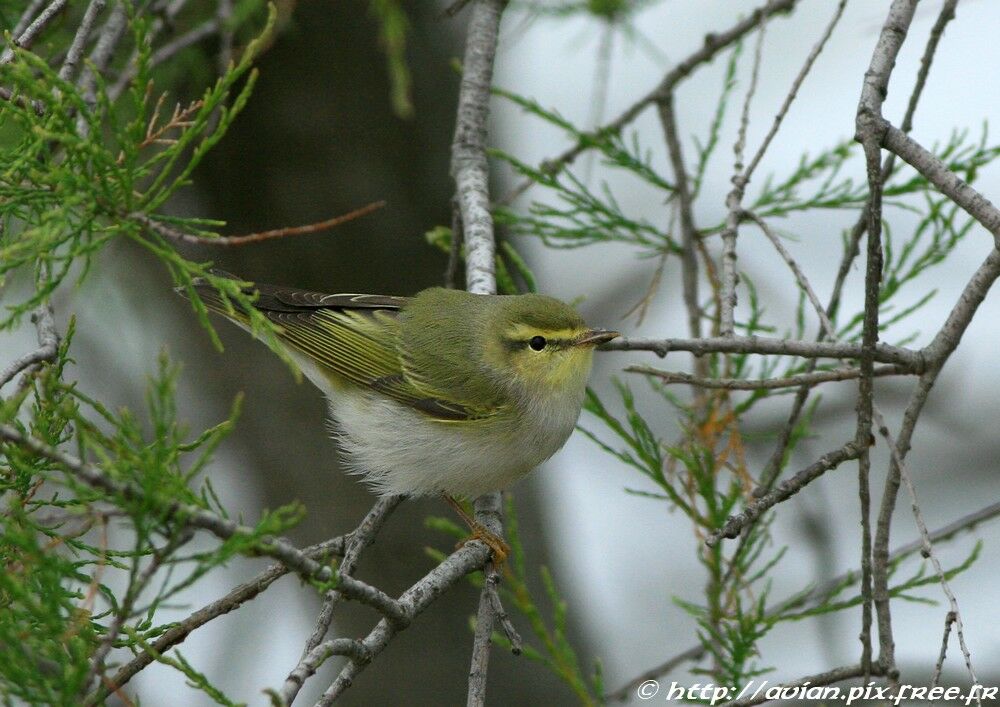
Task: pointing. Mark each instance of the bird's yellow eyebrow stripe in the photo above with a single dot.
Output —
(520, 332)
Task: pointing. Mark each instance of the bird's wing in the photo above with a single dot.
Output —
(351, 336)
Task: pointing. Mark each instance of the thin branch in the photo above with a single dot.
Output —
(469, 166)
(794, 90)
(502, 617)
(311, 662)
(362, 537)
(826, 324)
(100, 57)
(949, 620)
(928, 547)
(48, 345)
(734, 203)
(471, 556)
(870, 130)
(938, 174)
(773, 467)
(783, 491)
(689, 232)
(166, 231)
(30, 12)
(25, 39)
(793, 381)
(766, 346)
(75, 52)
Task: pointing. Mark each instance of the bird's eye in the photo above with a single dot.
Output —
(537, 343)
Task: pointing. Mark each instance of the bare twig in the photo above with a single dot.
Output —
(30, 12)
(793, 381)
(689, 232)
(471, 556)
(362, 537)
(870, 128)
(734, 203)
(928, 548)
(949, 620)
(100, 57)
(318, 655)
(794, 90)
(884, 353)
(783, 491)
(48, 345)
(172, 233)
(492, 582)
(75, 52)
(30, 33)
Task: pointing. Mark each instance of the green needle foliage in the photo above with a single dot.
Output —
(94, 539)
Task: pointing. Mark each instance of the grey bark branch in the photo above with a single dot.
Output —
(48, 345)
(794, 381)
(26, 38)
(927, 548)
(470, 170)
(734, 202)
(75, 52)
(414, 601)
(689, 232)
(783, 491)
(362, 537)
(763, 345)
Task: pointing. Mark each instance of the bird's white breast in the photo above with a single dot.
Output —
(399, 450)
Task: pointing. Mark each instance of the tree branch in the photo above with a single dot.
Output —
(884, 353)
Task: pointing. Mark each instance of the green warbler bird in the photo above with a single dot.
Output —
(446, 392)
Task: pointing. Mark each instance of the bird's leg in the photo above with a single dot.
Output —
(480, 532)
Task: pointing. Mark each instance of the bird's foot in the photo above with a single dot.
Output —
(498, 547)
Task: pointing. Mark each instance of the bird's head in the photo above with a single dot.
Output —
(542, 343)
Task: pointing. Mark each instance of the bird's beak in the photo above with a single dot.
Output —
(595, 337)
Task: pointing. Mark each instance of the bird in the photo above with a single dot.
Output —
(445, 392)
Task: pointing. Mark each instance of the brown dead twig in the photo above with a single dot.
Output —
(174, 234)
